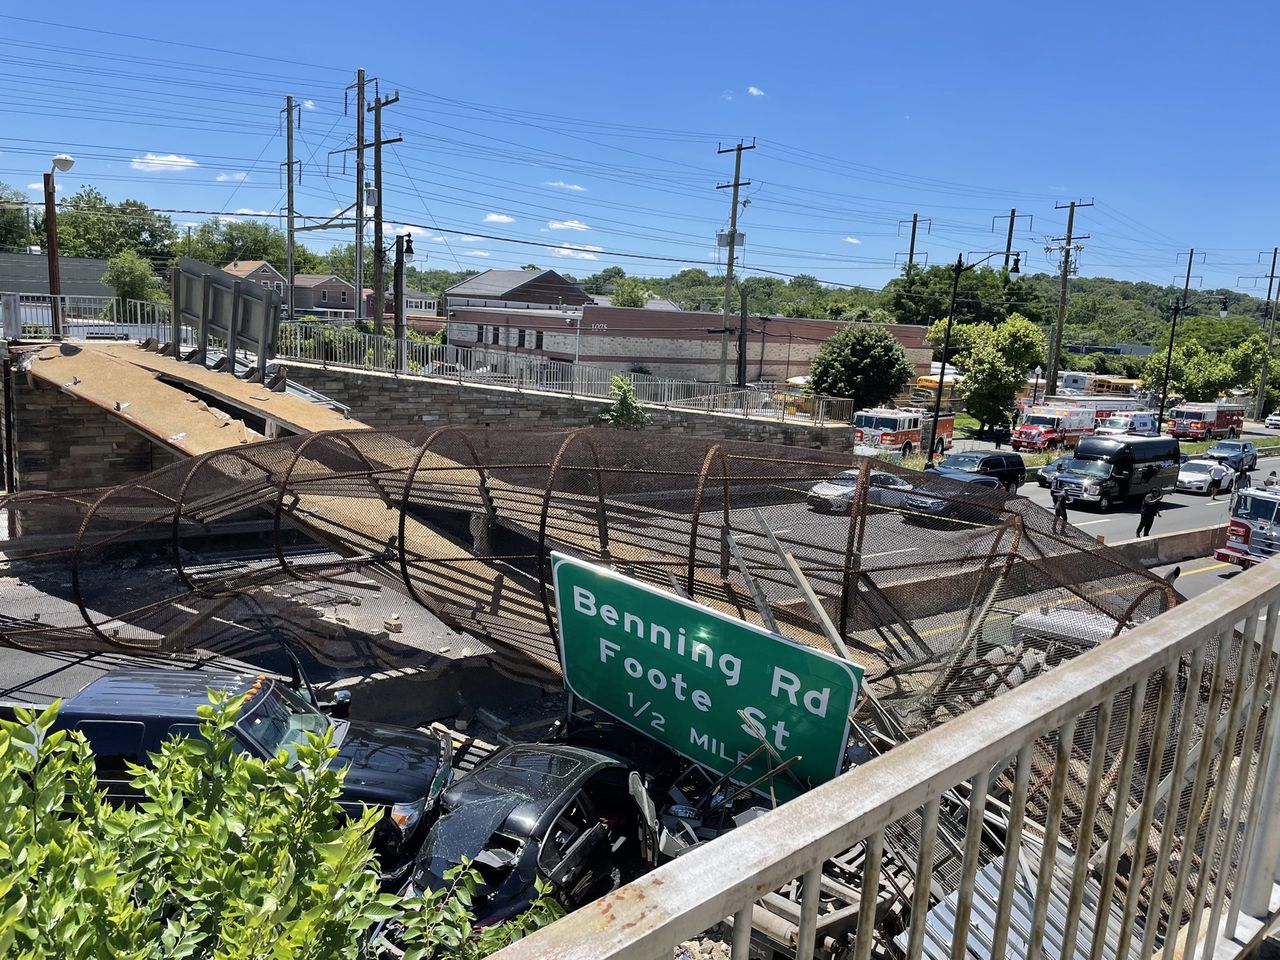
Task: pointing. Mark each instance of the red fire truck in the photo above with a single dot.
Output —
(1102, 407)
(1206, 421)
(901, 429)
(1252, 533)
(1052, 428)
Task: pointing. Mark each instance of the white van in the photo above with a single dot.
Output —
(1138, 424)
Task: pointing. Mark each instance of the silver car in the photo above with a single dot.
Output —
(836, 495)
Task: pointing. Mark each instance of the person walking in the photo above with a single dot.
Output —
(1150, 510)
(1243, 480)
(1217, 474)
(1060, 523)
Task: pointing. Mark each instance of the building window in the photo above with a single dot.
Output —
(495, 334)
(480, 333)
(324, 296)
(344, 296)
(537, 340)
(519, 338)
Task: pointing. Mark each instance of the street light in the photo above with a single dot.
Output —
(1179, 306)
(1035, 391)
(958, 268)
(61, 164)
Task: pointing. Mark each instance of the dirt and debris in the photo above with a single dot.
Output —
(702, 949)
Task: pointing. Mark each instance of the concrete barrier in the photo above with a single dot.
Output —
(1172, 547)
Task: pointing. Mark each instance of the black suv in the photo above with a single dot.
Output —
(127, 714)
(1008, 468)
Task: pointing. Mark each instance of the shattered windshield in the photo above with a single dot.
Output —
(464, 832)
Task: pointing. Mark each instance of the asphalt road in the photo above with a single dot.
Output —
(1200, 575)
(1181, 511)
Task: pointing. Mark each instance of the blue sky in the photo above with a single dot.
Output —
(593, 127)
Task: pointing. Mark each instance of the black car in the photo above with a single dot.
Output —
(554, 811)
(968, 498)
(127, 714)
(1008, 468)
(1050, 470)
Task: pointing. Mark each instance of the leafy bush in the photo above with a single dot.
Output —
(862, 362)
(625, 412)
(225, 856)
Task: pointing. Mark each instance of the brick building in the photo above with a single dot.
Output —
(667, 343)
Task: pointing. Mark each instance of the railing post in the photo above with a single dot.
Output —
(1263, 856)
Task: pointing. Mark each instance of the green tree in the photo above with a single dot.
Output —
(1195, 374)
(625, 412)
(629, 292)
(1021, 343)
(89, 225)
(991, 381)
(132, 278)
(862, 362)
(220, 242)
(226, 856)
(15, 228)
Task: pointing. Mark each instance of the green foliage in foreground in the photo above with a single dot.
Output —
(626, 412)
(227, 857)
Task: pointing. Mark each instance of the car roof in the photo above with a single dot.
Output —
(543, 774)
(982, 479)
(156, 692)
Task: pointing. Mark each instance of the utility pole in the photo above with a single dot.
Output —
(911, 247)
(359, 211)
(742, 339)
(1178, 307)
(51, 251)
(733, 239)
(188, 240)
(1008, 242)
(379, 254)
(1055, 341)
(290, 235)
(1269, 321)
(404, 245)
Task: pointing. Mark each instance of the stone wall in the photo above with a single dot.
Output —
(61, 443)
(383, 400)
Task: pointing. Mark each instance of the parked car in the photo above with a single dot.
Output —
(836, 495)
(1050, 470)
(127, 714)
(551, 811)
(1193, 476)
(1008, 468)
(1234, 453)
(1273, 421)
(976, 499)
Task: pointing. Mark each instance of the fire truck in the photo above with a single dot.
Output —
(1206, 421)
(1051, 428)
(900, 429)
(1253, 533)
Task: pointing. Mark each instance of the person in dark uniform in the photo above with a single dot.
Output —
(1060, 513)
(1150, 510)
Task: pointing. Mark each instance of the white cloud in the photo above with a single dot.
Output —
(578, 251)
(308, 104)
(162, 163)
(478, 253)
(755, 91)
(567, 225)
(561, 185)
(249, 212)
(852, 240)
(236, 176)
(39, 187)
(228, 220)
(726, 95)
(471, 239)
(498, 218)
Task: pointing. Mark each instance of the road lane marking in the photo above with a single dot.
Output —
(886, 553)
(1212, 566)
(1088, 523)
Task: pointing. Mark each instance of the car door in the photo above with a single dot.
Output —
(573, 851)
(886, 490)
(115, 745)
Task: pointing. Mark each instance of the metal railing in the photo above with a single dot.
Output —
(344, 347)
(1133, 792)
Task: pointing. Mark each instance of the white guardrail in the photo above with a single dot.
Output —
(1166, 725)
(341, 346)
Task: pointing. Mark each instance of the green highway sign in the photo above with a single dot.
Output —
(707, 685)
